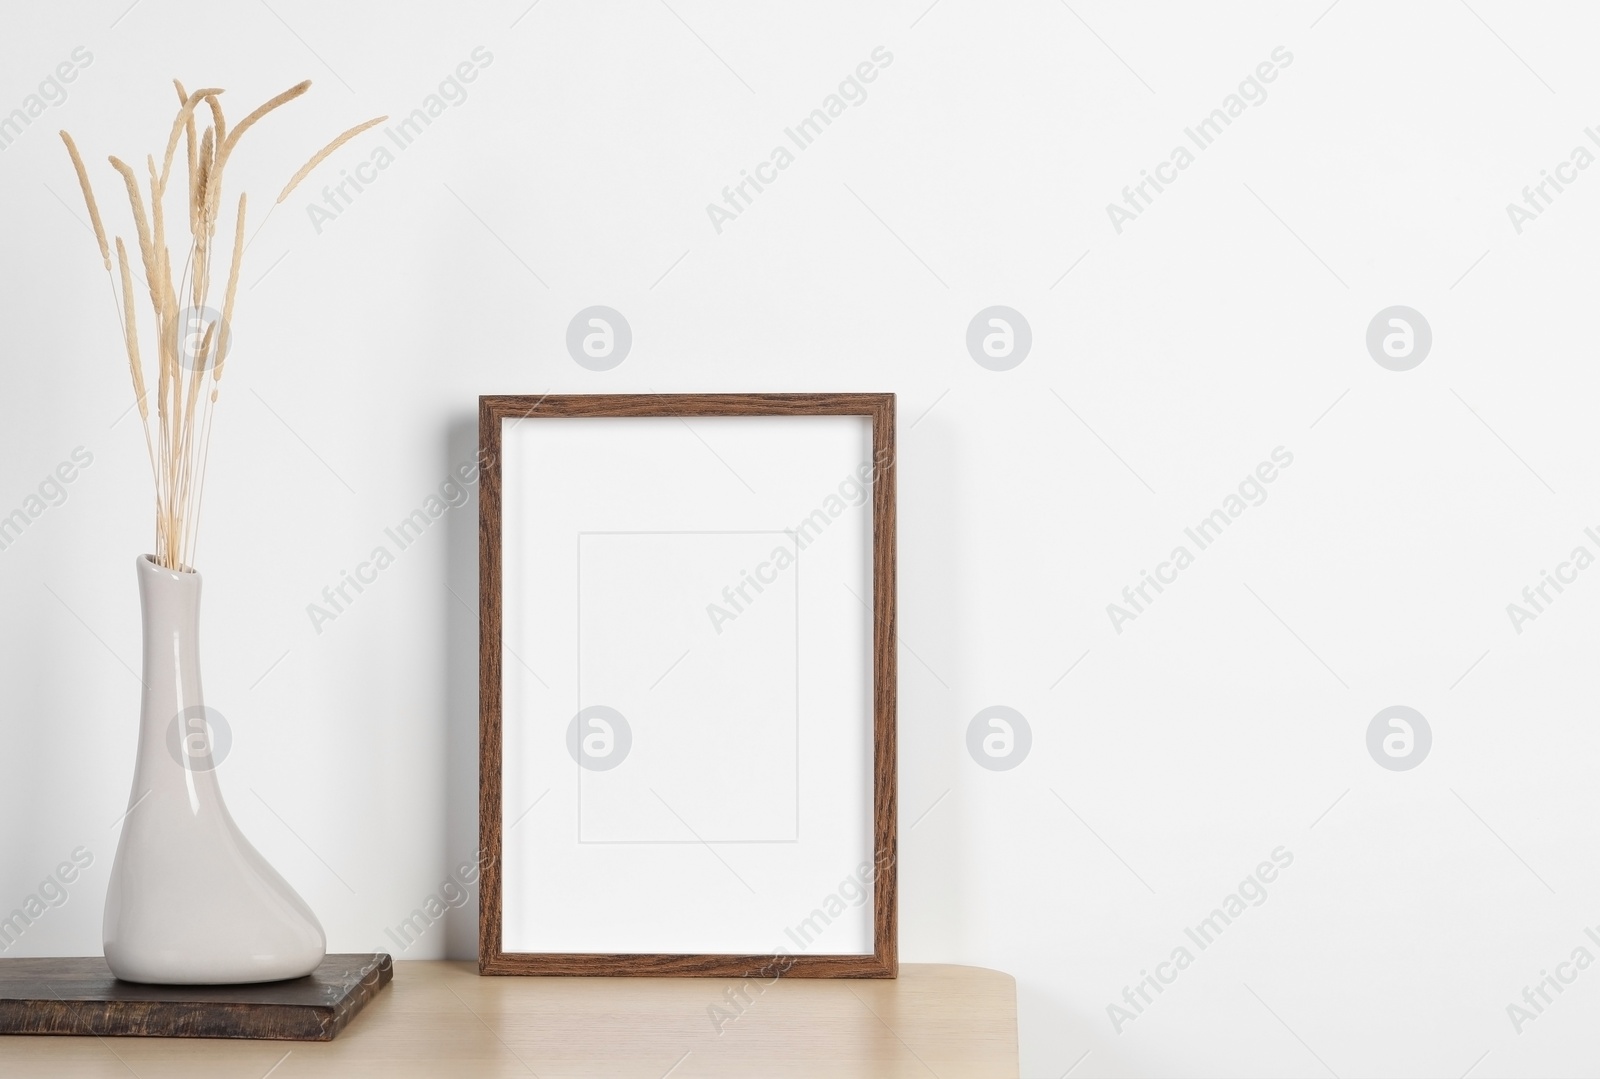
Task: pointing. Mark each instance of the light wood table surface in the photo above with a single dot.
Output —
(439, 1019)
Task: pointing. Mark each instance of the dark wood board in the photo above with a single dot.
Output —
(79, 996)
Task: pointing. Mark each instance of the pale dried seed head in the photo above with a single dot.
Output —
(322, 154)
(132, 332)
(88, 197)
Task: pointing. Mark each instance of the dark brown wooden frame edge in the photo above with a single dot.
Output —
(884, 962)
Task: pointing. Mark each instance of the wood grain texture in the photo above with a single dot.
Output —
(80, 996)
(490, 600)
(493, 411)
(441, 1019)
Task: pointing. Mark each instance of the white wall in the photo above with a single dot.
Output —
(1227, 720)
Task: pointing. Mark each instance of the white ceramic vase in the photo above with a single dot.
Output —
(190, 901)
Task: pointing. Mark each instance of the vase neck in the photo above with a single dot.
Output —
(173, 711)
(170, 601)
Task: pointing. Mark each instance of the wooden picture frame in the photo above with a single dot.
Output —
(504, 426)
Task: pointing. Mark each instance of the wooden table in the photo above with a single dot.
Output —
(440, 1019)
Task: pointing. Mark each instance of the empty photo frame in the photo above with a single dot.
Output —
(688, 685)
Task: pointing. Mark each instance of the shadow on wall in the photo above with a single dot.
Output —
(460, 649)
(445, 921)
(932, 763)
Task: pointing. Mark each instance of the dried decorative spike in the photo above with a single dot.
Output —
(132, 332)
(249, 121)
(88, 197)
(233, 291)
(142, 223)
(322, 154)
(178, 126)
